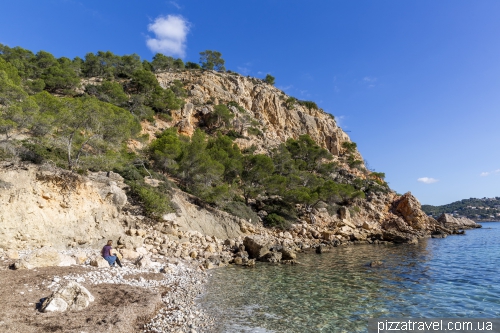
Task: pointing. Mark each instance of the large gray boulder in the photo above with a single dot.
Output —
(71, 296)
(257, 246)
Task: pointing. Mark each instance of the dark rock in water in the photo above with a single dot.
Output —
(273, 257)
(399, 237)
(376, 263)
(288, 254)
(242, 254)
(439, 234)
(319, 249)
(249, 262)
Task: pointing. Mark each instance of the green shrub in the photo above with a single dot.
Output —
(39, 153)
(277, 221)
(255, 131)
(290, 102)
(353, 163)
(350, 147)
(165, 116)
(234, 134)
(269, 79)
(309, 104)
(154, 202)
(235, 104)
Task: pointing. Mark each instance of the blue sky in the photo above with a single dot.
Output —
(417, 83)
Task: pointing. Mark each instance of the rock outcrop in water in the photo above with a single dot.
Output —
(451, 222)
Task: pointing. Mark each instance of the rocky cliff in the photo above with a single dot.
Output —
(53, 207)
(264, 103)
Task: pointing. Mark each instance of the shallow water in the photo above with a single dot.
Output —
(338, 291)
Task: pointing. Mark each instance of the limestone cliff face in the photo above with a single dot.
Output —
(54, 208)
(263, 103)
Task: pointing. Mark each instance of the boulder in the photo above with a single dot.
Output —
(80, 258)
(369, 226)
(450, 222)
(66, 260)
(288, 254)
(257, 246)
(44, 257)
(210, 248)
(71, 296)
(273, 257)
(399, 237)
(129, 254)
(344, 213)
(12, 254)
(328, 235)
(410, 209)
(99, 262)
(144, 262)
(376, 263)
(439, 234)
(347, 223)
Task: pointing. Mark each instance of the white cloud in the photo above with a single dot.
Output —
(427, 180)
(175, 4)
(370, 81)
(243, 70)
(170, 35)
(340, 120)
(285, 88)
(484, 174)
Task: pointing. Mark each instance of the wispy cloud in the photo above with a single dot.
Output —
(370, 81)
(427, 180)
(340, 120)
(285, 88)
(484, 174)
(175, 4)
(304, 93)
(170, 35)
(243, 70)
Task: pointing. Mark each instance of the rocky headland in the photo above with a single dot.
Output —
(53, 223)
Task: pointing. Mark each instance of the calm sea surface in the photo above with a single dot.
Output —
(458, 276)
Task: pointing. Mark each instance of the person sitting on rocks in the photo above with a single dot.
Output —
(107, 253)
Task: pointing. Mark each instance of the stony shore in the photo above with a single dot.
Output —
(169, 272)
(172, 285)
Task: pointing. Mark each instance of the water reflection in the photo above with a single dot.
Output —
(338, 291)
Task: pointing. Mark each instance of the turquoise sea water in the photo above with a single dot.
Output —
(458, 276)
